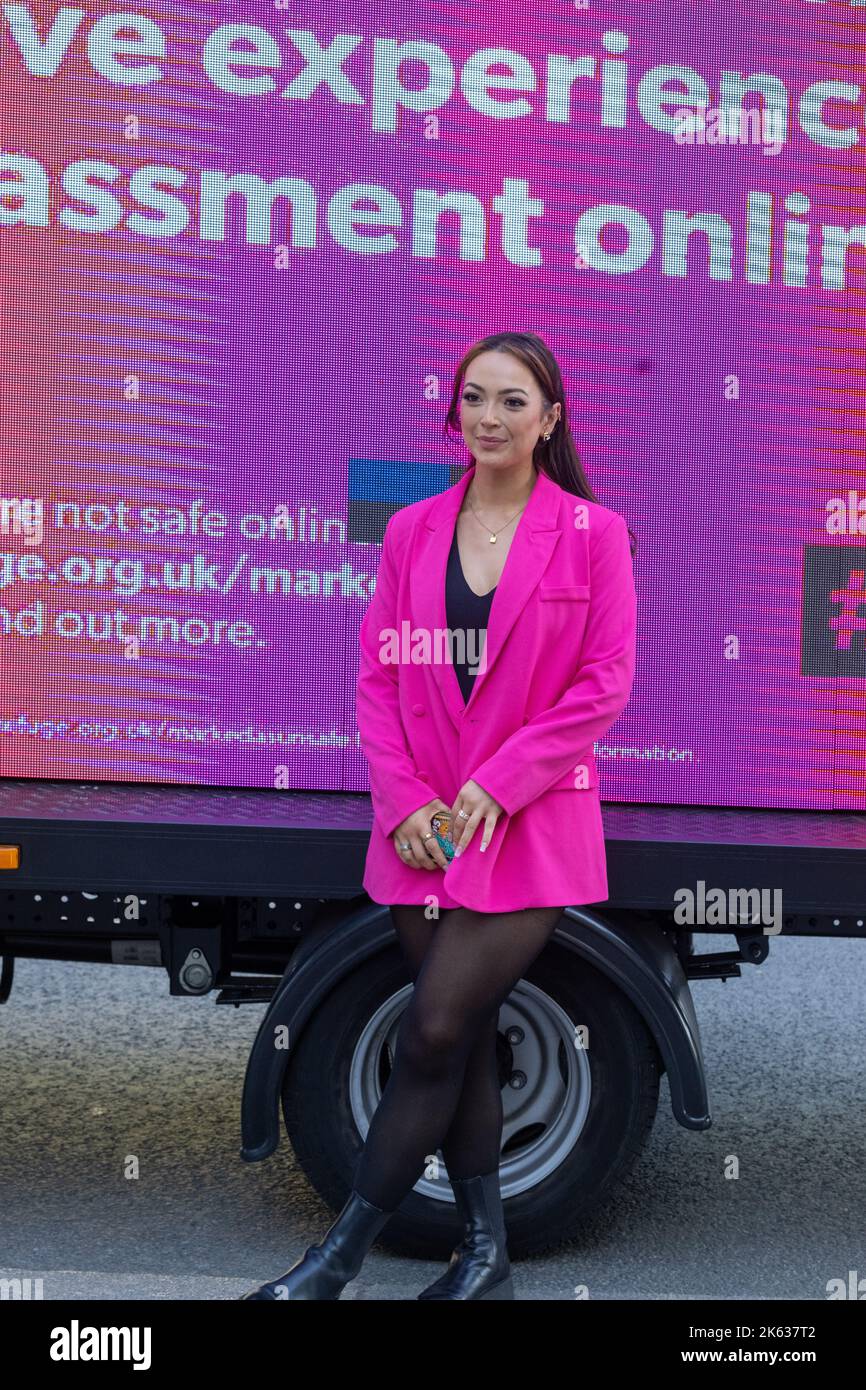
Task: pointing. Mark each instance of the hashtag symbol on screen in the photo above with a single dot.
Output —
(848, 621)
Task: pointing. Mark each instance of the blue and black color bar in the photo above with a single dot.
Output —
(377, 489)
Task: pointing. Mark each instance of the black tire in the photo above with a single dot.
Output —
(624, 1067)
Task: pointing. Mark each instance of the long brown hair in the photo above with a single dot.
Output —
(558, 458)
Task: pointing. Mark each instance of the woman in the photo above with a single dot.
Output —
(499, 733)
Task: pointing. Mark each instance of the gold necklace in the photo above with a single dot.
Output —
(491, 535)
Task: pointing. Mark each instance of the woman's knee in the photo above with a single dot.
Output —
(434, 1038)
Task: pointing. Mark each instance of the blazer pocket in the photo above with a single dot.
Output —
(563, 591)
(581, 776)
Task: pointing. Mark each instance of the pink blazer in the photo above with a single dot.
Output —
(557, 670)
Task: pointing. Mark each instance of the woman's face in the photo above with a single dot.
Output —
(502, 413)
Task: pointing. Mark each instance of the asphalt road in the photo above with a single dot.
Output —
(99, 1063)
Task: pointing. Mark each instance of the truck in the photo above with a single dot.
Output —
(254, 896)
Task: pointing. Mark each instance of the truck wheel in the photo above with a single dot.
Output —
(577, 1113)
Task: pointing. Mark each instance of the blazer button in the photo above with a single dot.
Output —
(418, 709)
(422, 772)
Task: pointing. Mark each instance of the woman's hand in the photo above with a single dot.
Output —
(425, 851)
(479, 806)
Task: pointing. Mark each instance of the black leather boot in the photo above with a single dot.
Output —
(324, 1269)
(479, 1266)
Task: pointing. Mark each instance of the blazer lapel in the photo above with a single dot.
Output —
(532, 547)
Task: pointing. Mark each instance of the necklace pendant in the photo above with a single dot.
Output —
(492, 540)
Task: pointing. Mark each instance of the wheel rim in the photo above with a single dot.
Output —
(545, 1095)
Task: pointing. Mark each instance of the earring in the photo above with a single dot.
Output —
(547, 437)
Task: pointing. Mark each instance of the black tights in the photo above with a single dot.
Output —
(443, 1091)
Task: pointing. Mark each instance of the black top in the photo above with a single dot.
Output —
(468, 614)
